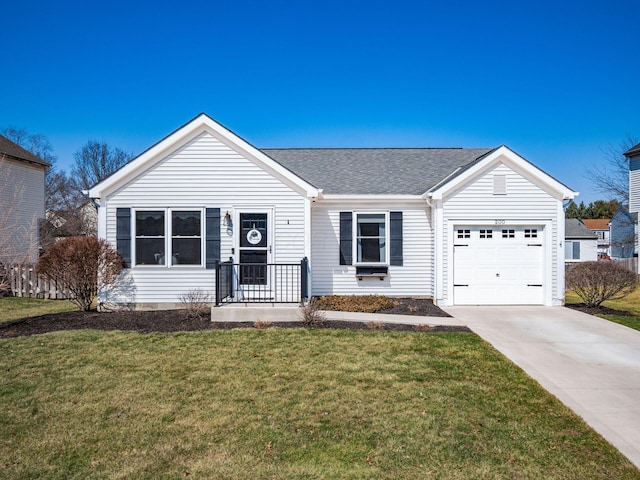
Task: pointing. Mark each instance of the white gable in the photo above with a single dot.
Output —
(183, 136)
(513, 161)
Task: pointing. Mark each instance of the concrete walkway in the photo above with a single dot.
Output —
(241, 312)
(389, 318)
(591, 365)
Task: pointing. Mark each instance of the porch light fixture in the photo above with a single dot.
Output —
(228, 223)
(227, 220)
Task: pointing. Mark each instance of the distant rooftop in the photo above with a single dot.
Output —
(597, 223)
(633, 151)
(574, 228)
(9, 148)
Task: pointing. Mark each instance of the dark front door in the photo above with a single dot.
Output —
(254, 248)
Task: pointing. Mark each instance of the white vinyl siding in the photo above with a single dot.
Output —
(524, 204)
(22, 206)
(413, 278)
(204, 173)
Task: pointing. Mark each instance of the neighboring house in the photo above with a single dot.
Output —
(21, 202)
(633, 155)
(624, 234)
(61, 224)
(580, 243)
(463, 226)
(600, 226)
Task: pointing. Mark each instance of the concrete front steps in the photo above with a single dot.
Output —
(256, 312)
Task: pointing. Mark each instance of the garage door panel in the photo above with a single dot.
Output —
(498, 266)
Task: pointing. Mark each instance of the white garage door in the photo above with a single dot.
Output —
(498, 266)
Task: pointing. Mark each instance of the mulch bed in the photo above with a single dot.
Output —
(598, 310)
(179, 321)
(415, 306)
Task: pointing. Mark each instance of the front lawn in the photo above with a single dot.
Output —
(629, 304)
(284, 403)
(14, 308)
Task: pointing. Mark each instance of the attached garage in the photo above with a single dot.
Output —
(498, 265)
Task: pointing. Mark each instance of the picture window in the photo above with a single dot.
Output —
(154, 246)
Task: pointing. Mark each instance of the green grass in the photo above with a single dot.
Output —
(630, 303)
(284, 403)
(631, 322)
(14, 308)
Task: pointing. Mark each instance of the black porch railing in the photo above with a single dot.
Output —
(262, 282)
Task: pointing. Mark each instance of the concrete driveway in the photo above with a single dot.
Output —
(590, 364)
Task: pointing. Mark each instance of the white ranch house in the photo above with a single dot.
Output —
(462, 226)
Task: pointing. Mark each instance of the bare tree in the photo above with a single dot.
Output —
(96, 161)
(612, 178)
(66, 211)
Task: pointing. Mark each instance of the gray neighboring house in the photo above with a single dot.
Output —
(580, 243)
(624, 233)
(633, 155)
(21, 202)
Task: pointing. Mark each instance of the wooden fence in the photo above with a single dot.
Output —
(25, 282)
(628, 263)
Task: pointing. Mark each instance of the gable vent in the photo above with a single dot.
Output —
(499, 184)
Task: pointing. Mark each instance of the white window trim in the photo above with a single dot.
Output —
(167, 236)
(354, 236)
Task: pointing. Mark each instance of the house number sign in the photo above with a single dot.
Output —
(254, 236)
(500, 222)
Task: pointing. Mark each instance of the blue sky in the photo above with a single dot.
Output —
(557, 82)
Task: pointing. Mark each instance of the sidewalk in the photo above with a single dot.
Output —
(388, 318)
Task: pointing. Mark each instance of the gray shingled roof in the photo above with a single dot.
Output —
(14, 150)
(409, 171)
(574, 228)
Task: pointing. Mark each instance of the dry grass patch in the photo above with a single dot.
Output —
(282, 403)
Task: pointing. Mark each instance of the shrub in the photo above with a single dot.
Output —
(595, 282)
(79, 263)
(423, 327)
(356, 303)
(311, 314)
(196, 302)
(375, 325)
(261, 324)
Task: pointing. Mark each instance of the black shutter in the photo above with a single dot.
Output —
(212, 237)
(123, 235)
(395, 233)
(346, 241)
